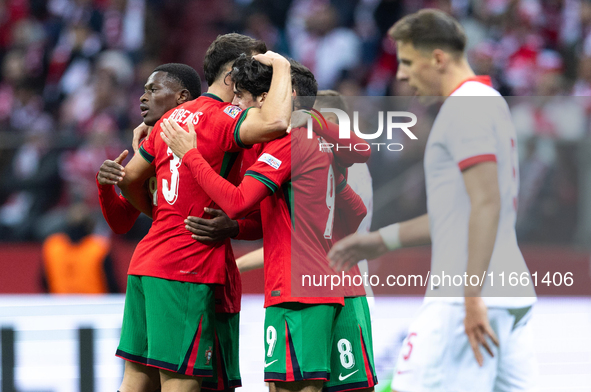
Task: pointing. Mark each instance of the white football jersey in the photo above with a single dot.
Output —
(473, 125)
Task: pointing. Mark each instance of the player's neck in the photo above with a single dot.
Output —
(221, 91)
(456, 74)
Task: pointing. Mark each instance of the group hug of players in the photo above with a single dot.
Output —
(183, 296)
(233, 163)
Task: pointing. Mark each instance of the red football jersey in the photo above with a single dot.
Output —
(298, 218)
(168, 251)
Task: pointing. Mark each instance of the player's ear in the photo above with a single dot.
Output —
(439, 58)
(183, 96)
(261, 98)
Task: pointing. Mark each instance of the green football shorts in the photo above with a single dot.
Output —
(297, 341)
(169, 325)
(226, 371)
(320, 342)
(352, 362)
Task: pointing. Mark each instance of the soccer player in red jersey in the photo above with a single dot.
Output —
(295, 173)
(175, 273)
(167, 87)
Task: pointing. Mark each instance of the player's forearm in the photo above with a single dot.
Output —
(482, 233)
(118, 212)
(415, 232)
(357, 151)
(235, 201)
(276, 112)
(251, 261)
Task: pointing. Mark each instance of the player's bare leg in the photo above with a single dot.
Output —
(174, 382)
(139, 378)
(299, 386)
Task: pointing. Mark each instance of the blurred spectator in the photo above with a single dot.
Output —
(77, 261)
(30, 186)
(325, 48)
(72, 72)
(101, 97)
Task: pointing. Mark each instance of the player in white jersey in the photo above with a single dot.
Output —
(472, 183)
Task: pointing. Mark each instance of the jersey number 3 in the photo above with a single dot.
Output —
(171, 191)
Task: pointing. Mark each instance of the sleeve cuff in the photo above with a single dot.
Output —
(265, 180)
(147, 156)
(475, 160)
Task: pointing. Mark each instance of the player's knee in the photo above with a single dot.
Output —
(297, 386)
(139, 378)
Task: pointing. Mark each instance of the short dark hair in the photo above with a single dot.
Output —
(251, 75)
(305, 85)
(430, 29)
(185, 75)
(331, 99)
(227, 48)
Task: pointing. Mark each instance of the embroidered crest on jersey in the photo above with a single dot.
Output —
(232, 111)
(270, 160)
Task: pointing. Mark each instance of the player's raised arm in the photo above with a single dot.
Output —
(272, 119)
(235, 201)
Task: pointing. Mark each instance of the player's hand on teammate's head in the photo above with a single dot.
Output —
(111, 172)
(478, 328)
(140, 132)
(269, 58)
(347, 252)
(299, 118)
(179, 141)
(214, 229)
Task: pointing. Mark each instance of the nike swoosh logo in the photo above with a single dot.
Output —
(267, 364)
(341, 377)
(402, 371)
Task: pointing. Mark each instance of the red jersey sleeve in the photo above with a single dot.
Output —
(273, 167)
(235, 201)
(118, 212)
(250, 227)
(228, 125)
(350, 207)
(146, 149)
(345, 156)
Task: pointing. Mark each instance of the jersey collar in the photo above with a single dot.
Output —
(484, 79)
(212, 96)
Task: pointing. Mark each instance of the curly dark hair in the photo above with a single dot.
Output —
(254, 77)
(185, 75)
(225, 49)
(251, 75)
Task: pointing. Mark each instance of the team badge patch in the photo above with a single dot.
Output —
(270, 160)
(232, 111)
(208, 355)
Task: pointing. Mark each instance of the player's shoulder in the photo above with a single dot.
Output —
(219, 108)
(474, 88)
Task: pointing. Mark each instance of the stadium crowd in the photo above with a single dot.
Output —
(72, 72)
